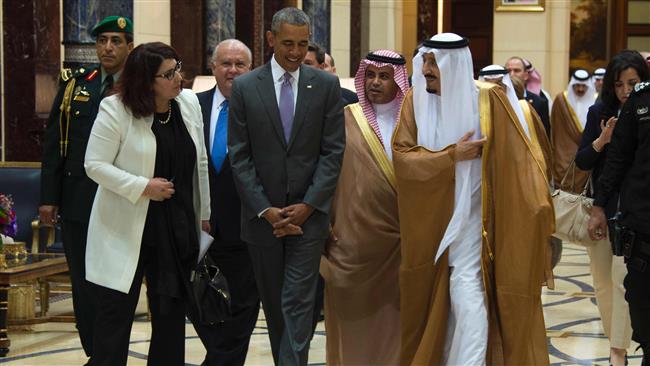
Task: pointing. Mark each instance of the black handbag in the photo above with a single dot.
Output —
(210, 292)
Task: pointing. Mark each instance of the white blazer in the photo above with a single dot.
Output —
(120, 157)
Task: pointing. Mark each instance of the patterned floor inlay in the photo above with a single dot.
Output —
(575, 335)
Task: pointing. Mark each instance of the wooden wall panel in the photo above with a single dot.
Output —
(31, 58)
(187, 36)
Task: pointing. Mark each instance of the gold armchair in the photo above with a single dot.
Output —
(58, 282)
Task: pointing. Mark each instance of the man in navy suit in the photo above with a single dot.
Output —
(227, 343)
(286, 137)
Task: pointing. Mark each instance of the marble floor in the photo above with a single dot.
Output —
(575, 335)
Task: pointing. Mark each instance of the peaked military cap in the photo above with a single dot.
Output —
(113, 23)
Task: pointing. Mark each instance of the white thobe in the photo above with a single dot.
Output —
(467, 330)
(386, 119)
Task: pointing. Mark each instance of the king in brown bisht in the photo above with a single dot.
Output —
(475, 219)
(361, 262)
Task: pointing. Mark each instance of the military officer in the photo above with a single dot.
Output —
(65, 188)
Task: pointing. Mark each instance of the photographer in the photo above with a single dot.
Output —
(627, 169)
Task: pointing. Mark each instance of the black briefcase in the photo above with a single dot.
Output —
(210, 292)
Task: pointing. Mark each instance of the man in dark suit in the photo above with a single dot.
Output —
(285, 142)
(227, 343)
(516, 67)
(349, 97)
(316, 57)
(65, 188)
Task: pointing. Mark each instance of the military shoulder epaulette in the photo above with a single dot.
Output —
(67, 73)
(642, 87)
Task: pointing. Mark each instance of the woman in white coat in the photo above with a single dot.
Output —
(147, 154)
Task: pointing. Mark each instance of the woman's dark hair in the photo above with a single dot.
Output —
(619, 63)
(135, 86)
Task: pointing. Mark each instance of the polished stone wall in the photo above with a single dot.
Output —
(319, 13)
(31, 67)
(219, 24)
(79, 18)
(187, 35)
(32, 62)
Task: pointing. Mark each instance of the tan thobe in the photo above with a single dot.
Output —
(517, 220)
(566, 133)
(361, 268)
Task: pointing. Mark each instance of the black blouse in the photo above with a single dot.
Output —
(170, 227)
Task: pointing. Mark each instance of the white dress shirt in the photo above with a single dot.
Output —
(386, 119)
(217, 99)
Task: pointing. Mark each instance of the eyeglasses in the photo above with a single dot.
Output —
(171, 74)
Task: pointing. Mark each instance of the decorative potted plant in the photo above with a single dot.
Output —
(7, 220)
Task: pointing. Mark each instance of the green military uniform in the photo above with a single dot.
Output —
(64, 182)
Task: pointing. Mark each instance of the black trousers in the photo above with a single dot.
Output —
(74, 235)
(286, 277)
(115, 314)
(227, 343)
(319, 301)
(637, 294)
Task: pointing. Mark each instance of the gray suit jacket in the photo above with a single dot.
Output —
(270, 172)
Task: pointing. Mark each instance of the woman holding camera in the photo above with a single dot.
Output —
(147, 154)
(608, 271)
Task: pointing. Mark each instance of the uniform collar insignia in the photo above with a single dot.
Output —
(92, 75)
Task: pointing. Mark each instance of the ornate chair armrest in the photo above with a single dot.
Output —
(36, 235)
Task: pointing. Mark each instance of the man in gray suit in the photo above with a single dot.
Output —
(285, 143)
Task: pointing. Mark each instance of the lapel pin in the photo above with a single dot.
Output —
(308, 86)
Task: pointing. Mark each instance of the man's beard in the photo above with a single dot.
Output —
(430, 90)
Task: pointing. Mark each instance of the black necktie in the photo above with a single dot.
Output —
(107, 85)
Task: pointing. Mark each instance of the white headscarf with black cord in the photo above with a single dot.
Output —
(443, 119)
(499, 72)
(581, 104)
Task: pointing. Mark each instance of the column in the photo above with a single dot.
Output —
(547, 50)
(31, 58)
(341, 36)
(186, 34)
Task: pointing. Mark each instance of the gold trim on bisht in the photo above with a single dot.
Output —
(376, 147)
